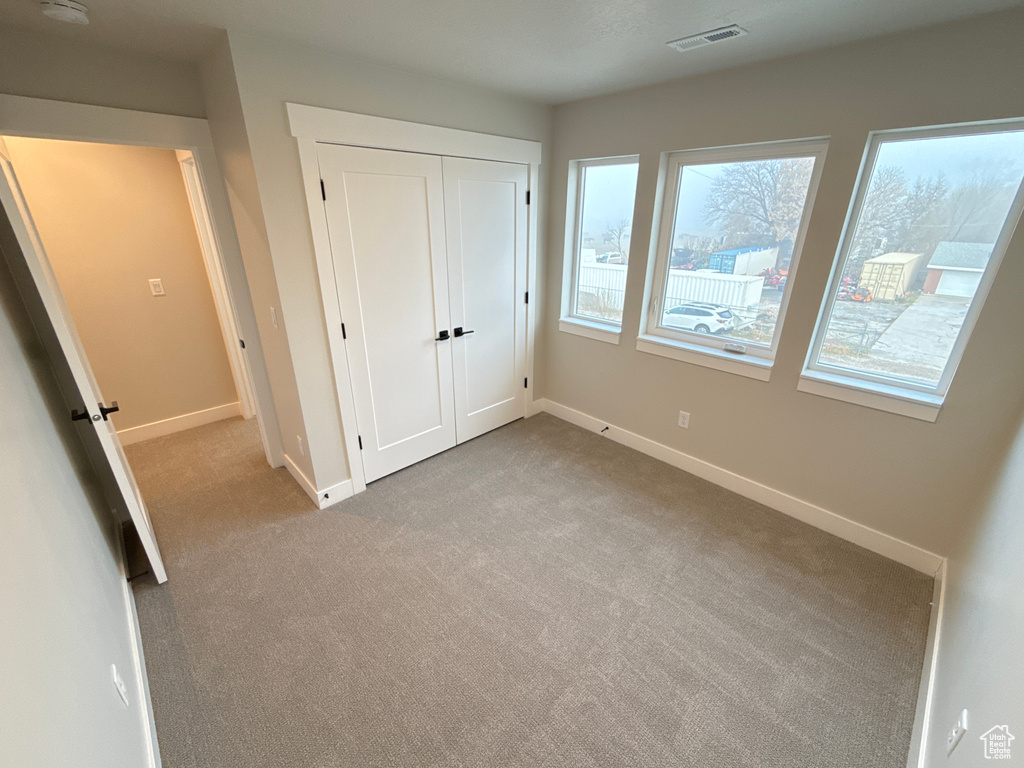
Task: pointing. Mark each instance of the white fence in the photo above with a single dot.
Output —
(739, 291)
(605, 284)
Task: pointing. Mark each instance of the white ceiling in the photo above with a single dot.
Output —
(549, 50)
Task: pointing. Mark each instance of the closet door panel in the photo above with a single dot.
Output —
(485, 214)
(386, 221)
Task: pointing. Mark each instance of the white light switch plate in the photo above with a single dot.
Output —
(156, 285)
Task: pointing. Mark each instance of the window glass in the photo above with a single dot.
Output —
(736, 227)
(607, 189)
(927, 234)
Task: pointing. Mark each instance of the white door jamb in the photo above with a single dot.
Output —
(213, 259)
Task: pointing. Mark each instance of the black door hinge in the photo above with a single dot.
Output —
(526, 383)
(343, 334)
(526, 298)
(527, 197)
(241, 343)
(323, 191)
(360, 442)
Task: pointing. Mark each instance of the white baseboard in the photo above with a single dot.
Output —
(869, 538)
(148, 721)
(322, 498)
(918, 754)
(178, 423)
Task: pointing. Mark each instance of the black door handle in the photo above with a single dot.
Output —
(442, 336)
(112, 409)
(76, 416)
(460, 332)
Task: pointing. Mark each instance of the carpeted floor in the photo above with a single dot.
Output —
(540, 596)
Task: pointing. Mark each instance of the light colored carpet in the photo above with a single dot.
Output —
(540, 596)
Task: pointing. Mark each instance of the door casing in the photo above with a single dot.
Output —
(310, 125)
(67, 121)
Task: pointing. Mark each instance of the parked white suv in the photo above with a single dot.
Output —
(702, 318)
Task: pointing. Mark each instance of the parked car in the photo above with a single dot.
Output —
(702, 318)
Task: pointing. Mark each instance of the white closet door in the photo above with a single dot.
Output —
(385, 216)
(485, 213)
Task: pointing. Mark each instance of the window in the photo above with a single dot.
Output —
(597, 249)
(932, 215)
(732, 226)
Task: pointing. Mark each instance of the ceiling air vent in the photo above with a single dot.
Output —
(65, 10)
(707, 38)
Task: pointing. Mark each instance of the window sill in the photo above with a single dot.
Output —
(741, 365)
(905, 402)
(591, 330)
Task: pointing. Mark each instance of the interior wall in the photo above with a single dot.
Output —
(51, 67)
(63, 601)
(231, 143)
(112, 217)
(907, 478)
(269, 74)
(981, 660)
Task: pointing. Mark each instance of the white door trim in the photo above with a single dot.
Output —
(46, 119)
(332, 311)
(310, 125)
(336, 127)
(209, 245)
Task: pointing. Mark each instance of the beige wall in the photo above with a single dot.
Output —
(111, 218)
(51, 67)
(268, 75)
(908, 478)
(981, 657)
(63, 603)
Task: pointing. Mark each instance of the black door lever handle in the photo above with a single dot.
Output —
(442, 336)
(460, 332)
(112, 409)
(76, 416)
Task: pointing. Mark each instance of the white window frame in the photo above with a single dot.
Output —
(569, 320)
(720, 353)
(878, 391)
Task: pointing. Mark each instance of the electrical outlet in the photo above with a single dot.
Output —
(273, 317)
(302, 450)
(684, 420)
(956, 733)
(119, 686)
(156, 285)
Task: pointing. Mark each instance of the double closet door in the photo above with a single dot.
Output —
(430, 265)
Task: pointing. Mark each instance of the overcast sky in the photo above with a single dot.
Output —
(611, 189)
(610, 192)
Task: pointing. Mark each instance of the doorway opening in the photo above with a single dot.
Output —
(120, 243)
(127, 233)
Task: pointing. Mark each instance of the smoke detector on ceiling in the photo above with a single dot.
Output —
(65, 10)
(706, 38)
